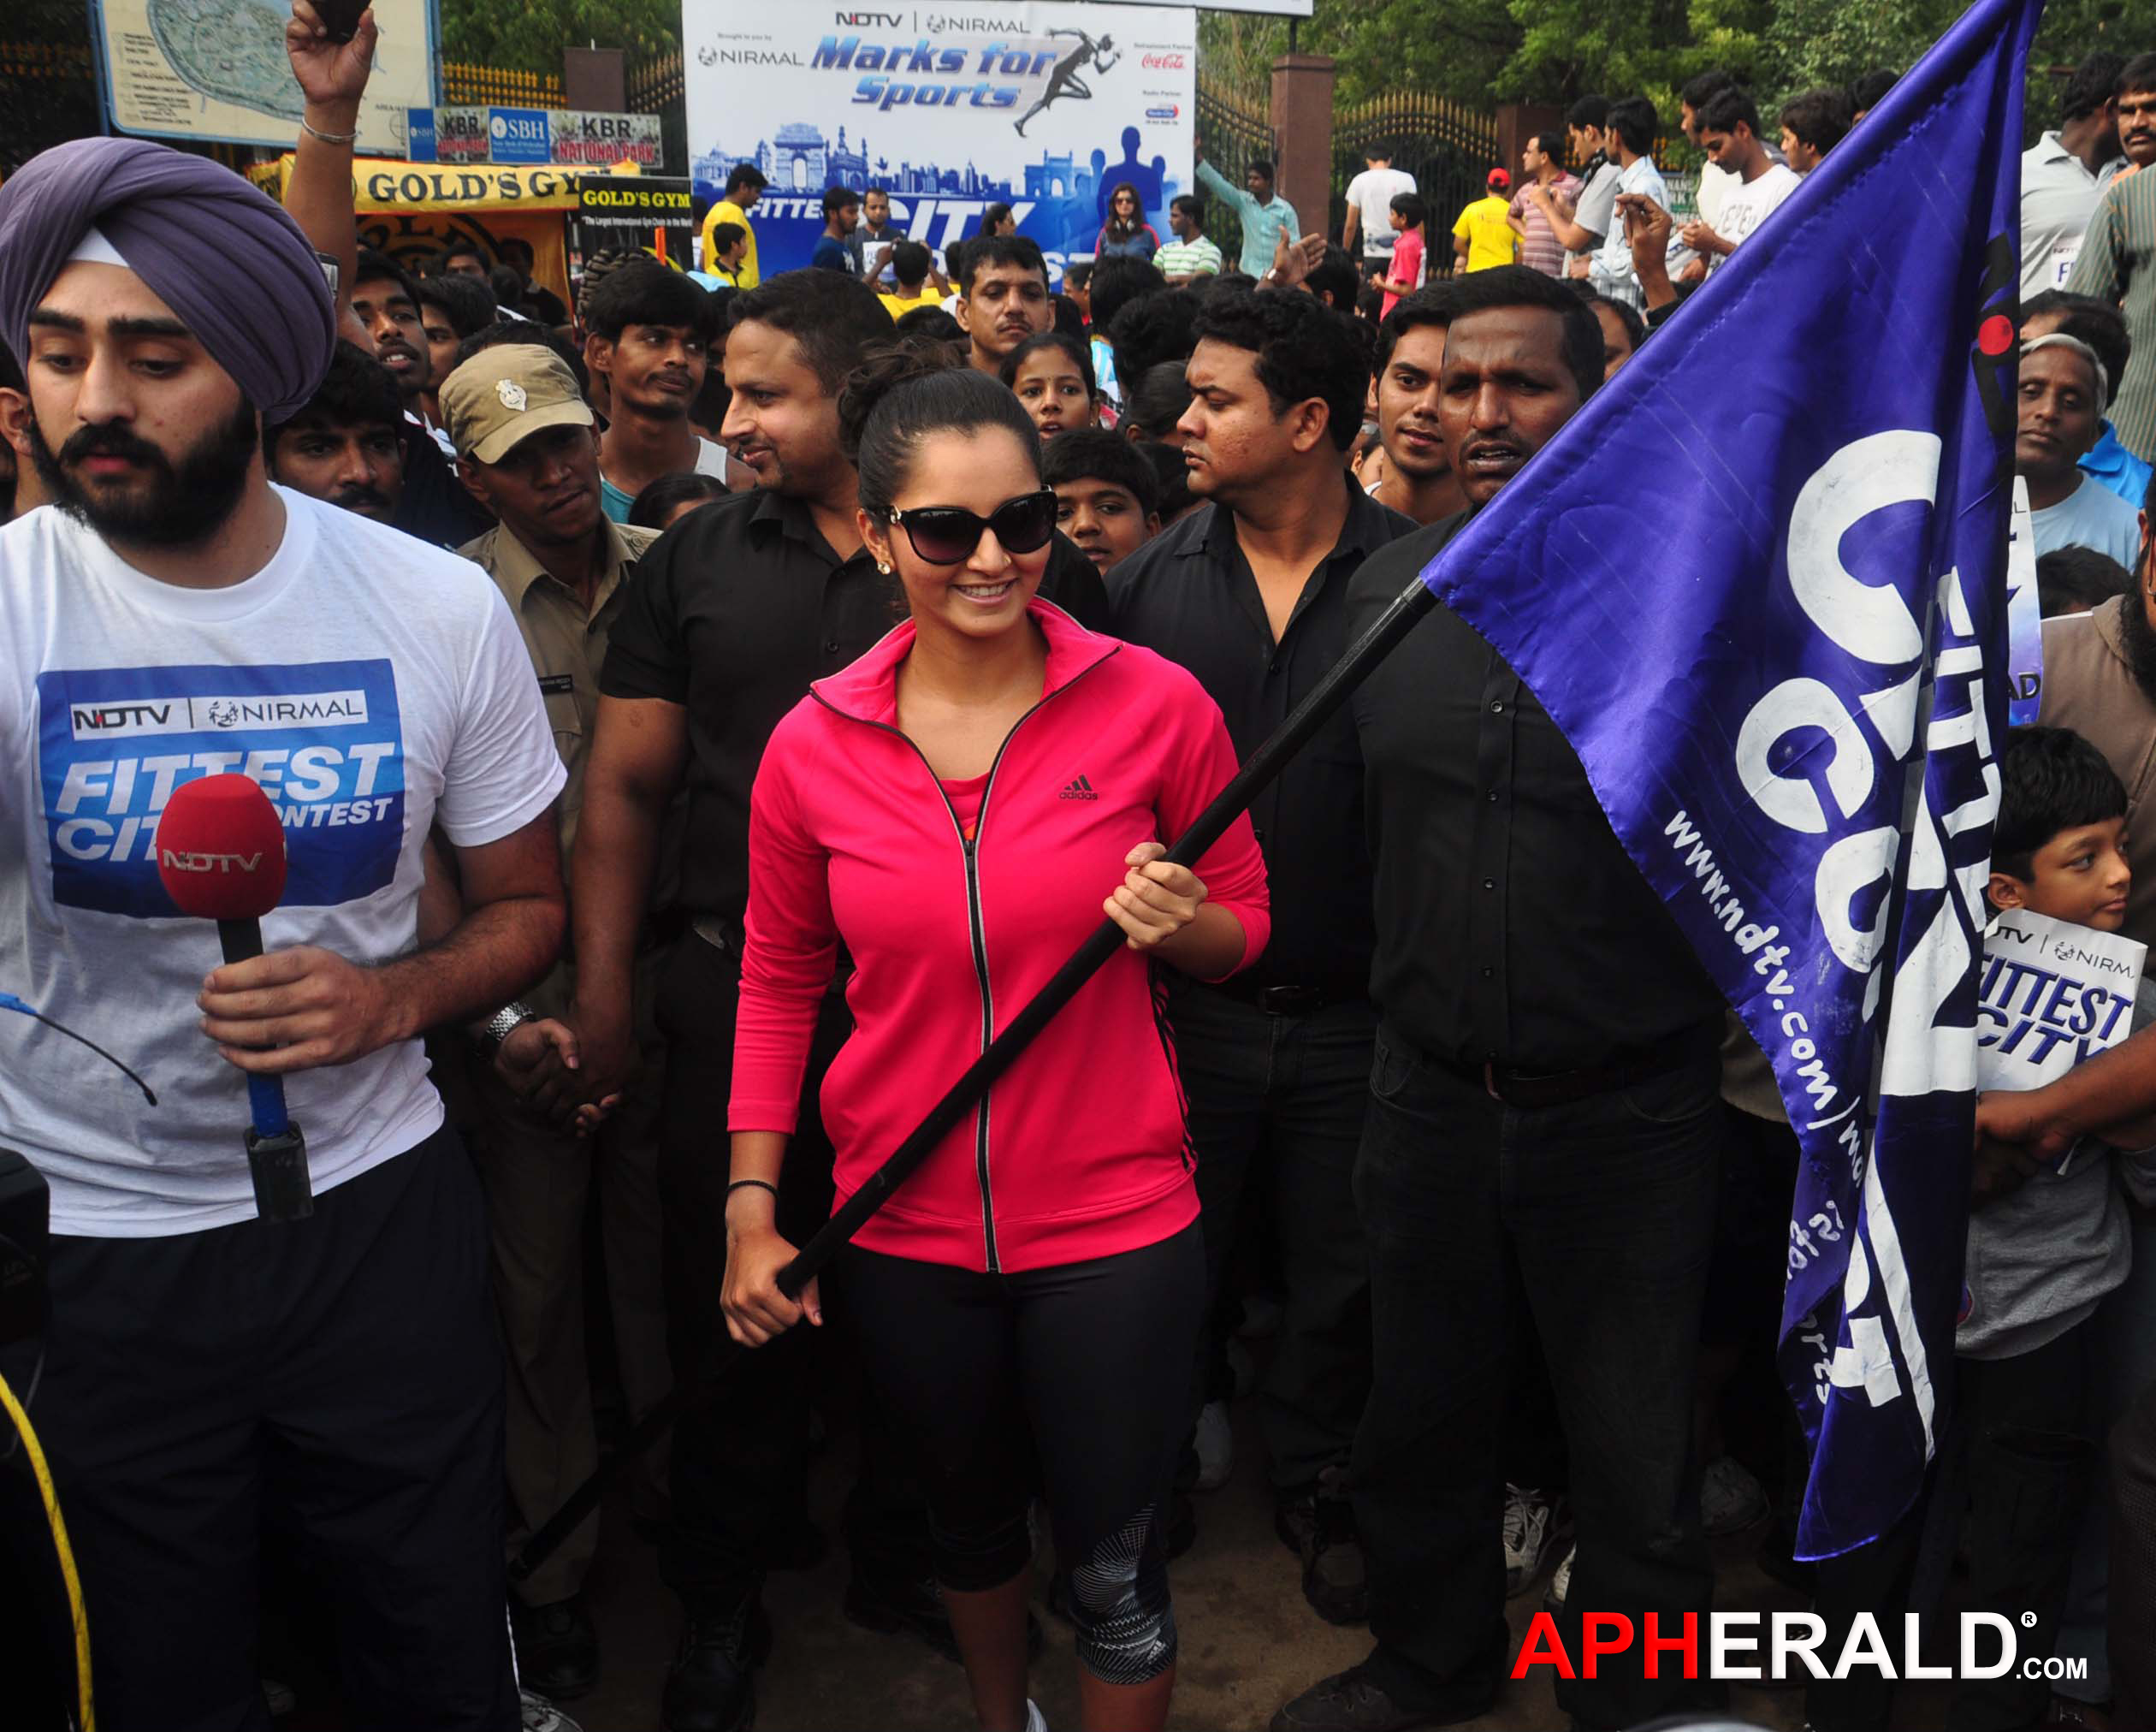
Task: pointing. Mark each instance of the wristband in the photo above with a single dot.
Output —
(759, 1184)
(328, 138)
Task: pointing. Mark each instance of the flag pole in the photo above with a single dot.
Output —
(1406, 609)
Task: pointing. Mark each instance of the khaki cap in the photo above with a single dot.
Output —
(501, 396)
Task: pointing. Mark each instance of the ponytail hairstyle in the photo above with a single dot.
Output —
(906, 390)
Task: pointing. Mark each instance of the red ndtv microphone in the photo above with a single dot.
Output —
(221, 853)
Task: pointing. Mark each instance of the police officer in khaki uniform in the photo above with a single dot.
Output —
(528, 450)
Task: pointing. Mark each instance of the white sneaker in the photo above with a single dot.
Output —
(541, 1716)
(1216, 1446)
(1532, 1535)
(1035, 1721)
(1561, 1583)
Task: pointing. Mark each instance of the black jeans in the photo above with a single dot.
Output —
(1285, 1096)
(2014, 1464)
(740, 1464)
(337, 1381)
(1605, 1207)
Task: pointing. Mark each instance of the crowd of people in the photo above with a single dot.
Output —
(703, 715)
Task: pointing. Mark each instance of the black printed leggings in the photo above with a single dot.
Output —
(1085, 1366)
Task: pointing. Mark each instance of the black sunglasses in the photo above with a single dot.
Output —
(946, 534)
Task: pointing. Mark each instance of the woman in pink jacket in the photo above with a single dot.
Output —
(952, 808)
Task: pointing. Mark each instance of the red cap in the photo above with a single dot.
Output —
(1498, 177)
(221, 850)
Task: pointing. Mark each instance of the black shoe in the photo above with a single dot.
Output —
(1350, 1701)
(902, 1607)
(1318, 1525)
(710, 1686)
(557, 1647)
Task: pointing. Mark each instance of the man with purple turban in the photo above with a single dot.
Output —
(331, 1373)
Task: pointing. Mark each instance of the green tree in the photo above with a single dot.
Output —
(529, 35)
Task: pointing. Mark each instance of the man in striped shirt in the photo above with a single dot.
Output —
(1192, 254)
(2118, 264)
(1539, 247)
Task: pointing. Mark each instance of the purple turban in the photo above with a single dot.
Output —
(221, 255)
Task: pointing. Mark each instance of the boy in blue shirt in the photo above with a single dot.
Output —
(834, 247)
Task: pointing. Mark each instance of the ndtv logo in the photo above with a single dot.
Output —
(868, 21)
(238, 713)
(175, 861)
(1165, 62)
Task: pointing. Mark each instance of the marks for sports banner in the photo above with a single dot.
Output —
(324, 739)
(1044, 106)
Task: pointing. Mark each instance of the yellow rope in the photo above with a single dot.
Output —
(87, 1712)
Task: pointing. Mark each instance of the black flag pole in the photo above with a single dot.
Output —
(963, 1096)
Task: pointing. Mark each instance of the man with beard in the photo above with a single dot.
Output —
(730, 617)
(2116, 261)
(1542, 1137)
(1419, 479)
(527, 447)
(346, 446)
(209, 1376)
(1003, 297)
(1250, 594)
(385, 300)
(648, 335)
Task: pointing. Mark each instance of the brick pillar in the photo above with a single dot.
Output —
(1302, 105)
(594, 79)
(1518, 121)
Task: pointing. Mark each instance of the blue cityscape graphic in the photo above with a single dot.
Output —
(1068, 199)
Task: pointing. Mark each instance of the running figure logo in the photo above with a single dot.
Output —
(1064, 80)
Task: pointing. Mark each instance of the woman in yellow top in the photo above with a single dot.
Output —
(1483, 237)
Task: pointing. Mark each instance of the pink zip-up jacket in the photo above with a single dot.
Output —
(1079, 1151)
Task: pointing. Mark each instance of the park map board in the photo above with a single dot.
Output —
(216, 69)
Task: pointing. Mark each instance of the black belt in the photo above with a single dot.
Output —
(1285, 1001)
(1538, 1089)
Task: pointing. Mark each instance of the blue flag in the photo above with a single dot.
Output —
(1759, 581)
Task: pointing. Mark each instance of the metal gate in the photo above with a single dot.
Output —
(1231, 136)
(1448, 149)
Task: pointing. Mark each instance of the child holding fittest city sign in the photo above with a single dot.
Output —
(2046, 1242)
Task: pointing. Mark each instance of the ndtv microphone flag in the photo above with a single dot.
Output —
(1759, 581)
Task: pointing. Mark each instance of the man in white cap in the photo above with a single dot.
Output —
(527, 451)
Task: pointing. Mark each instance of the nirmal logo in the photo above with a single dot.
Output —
(868, 21)
(1165, 62)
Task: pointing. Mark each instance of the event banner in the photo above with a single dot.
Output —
(216, 70)
(1044, 107)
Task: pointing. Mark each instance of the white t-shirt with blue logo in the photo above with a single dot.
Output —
(373, 686)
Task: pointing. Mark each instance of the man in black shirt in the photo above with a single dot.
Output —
(731, 616)
(1250, 593)
(1543, 1117)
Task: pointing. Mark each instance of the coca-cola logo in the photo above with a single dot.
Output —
(1162, 63)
